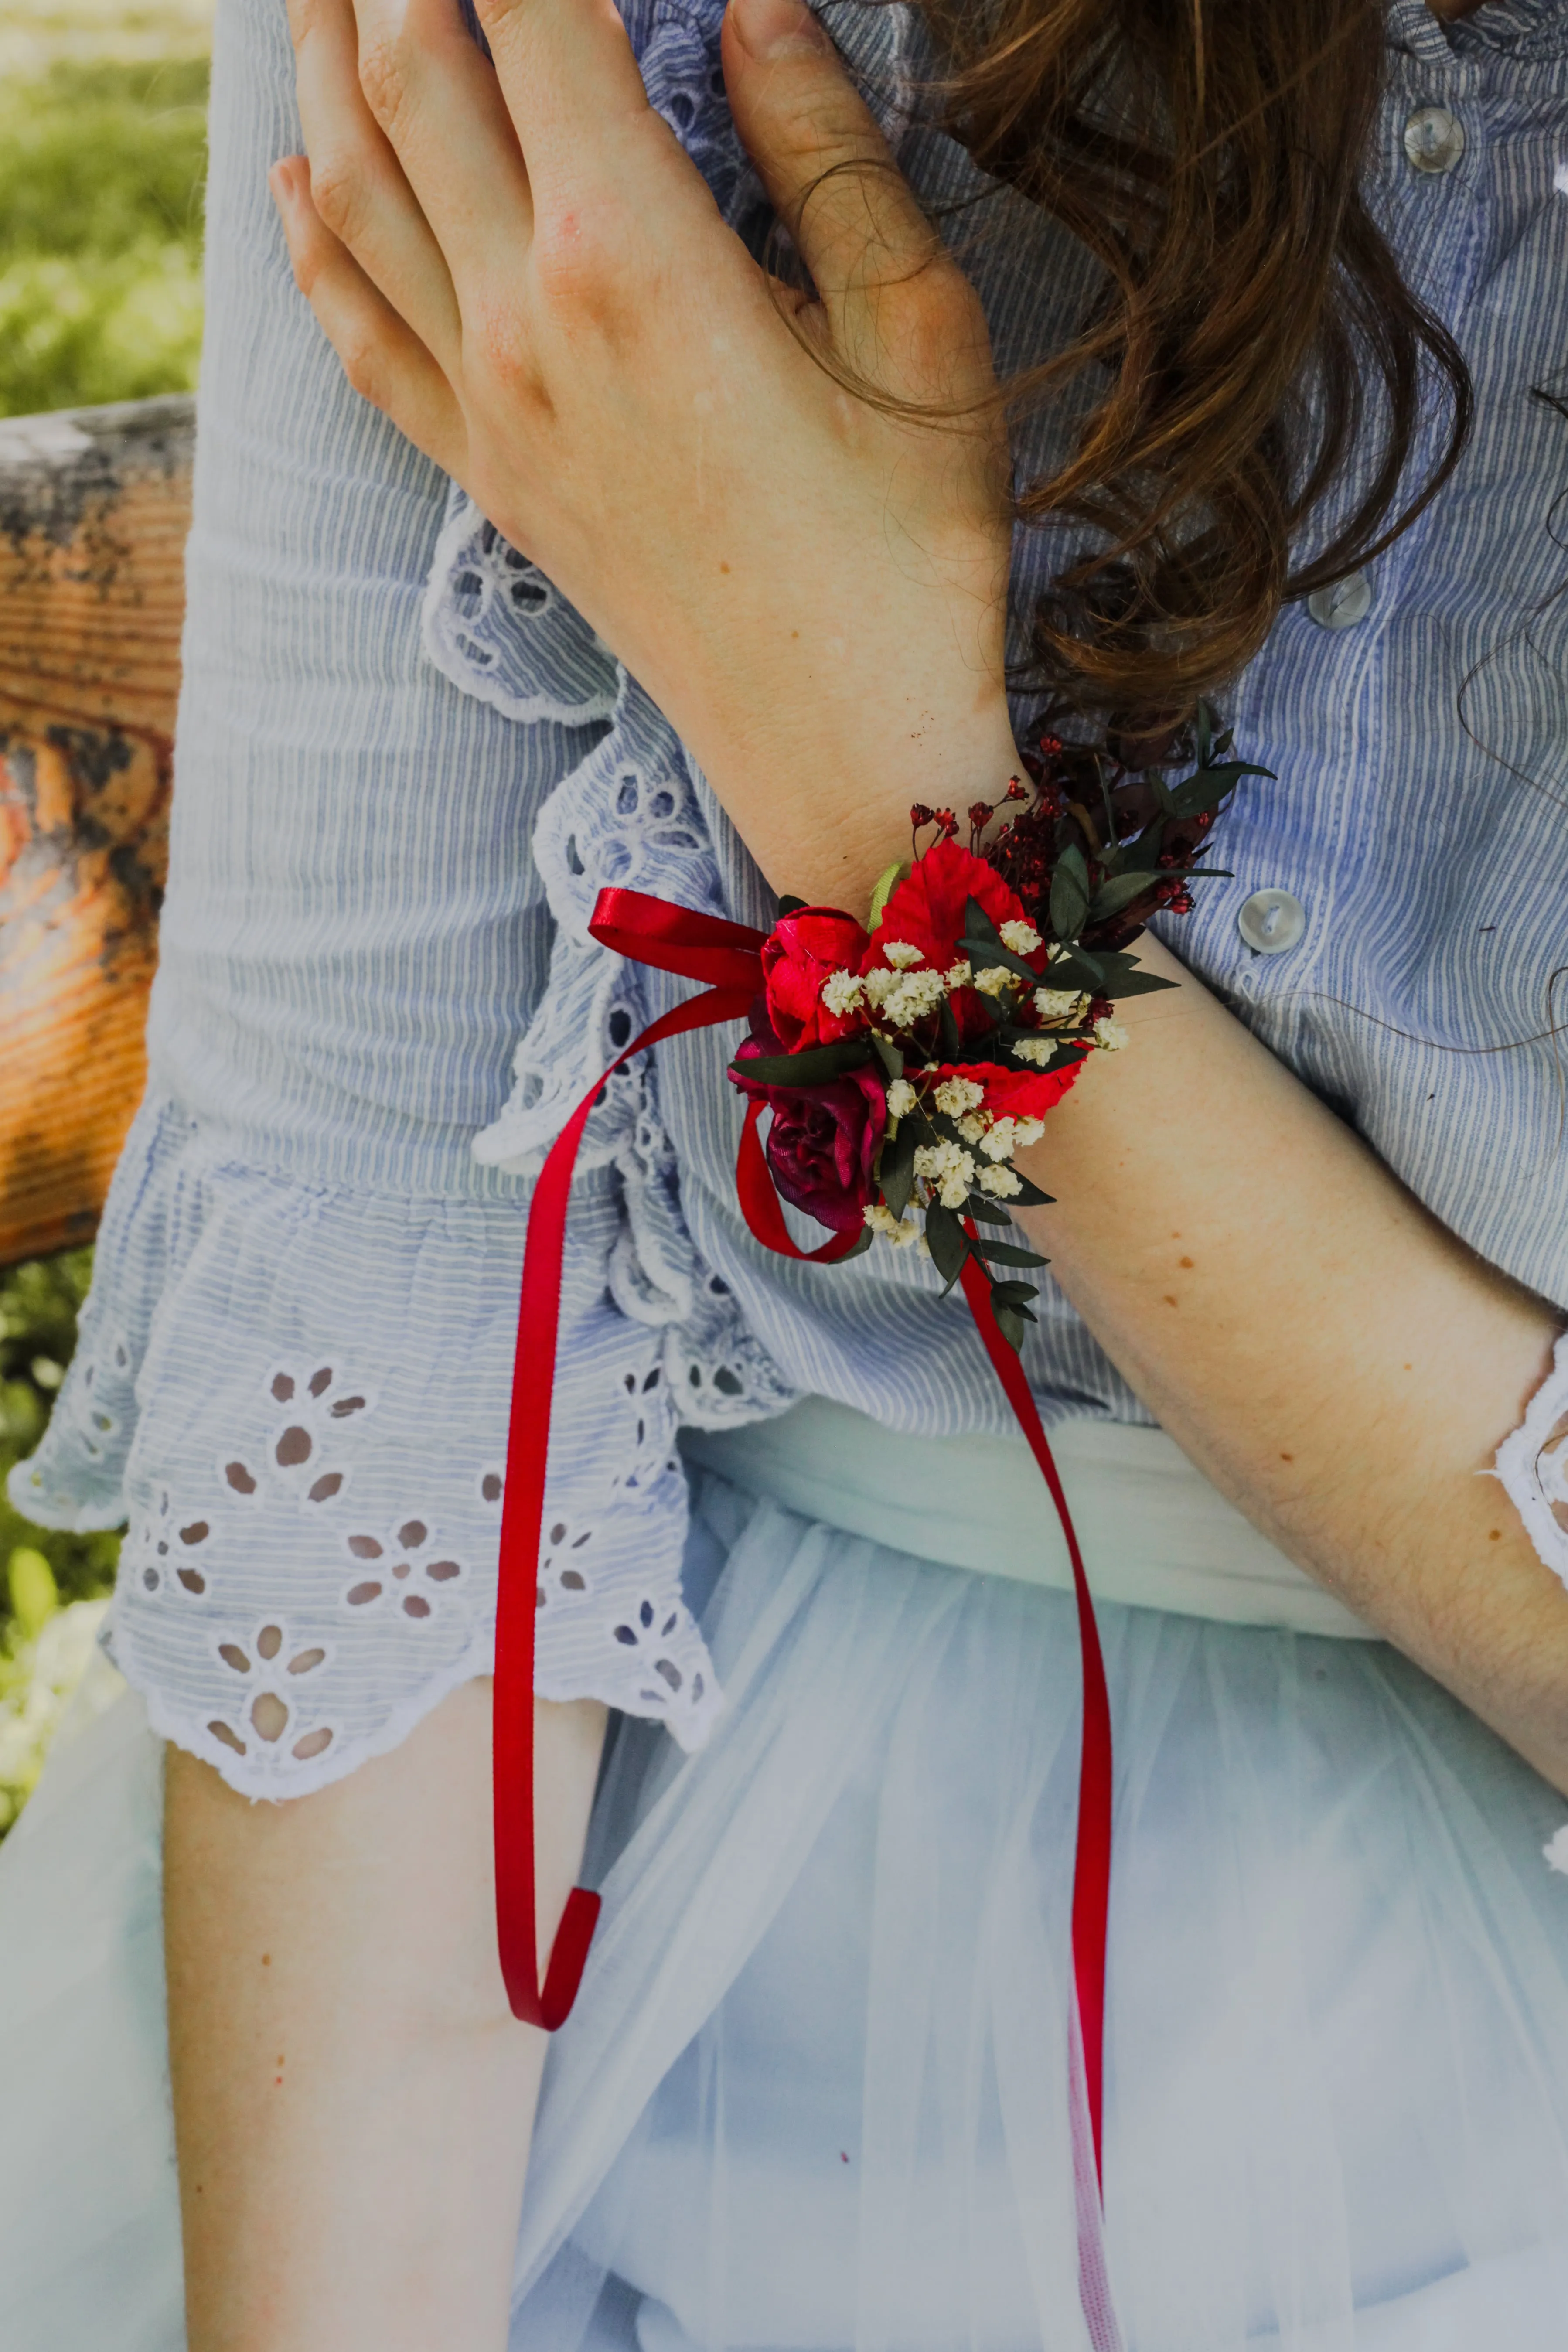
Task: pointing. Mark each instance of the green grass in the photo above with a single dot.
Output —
(101, 166)
(102, 159)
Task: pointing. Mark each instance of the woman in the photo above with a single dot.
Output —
(816, 2090)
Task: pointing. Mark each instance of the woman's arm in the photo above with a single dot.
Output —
(527, 274)
(1324, 1349)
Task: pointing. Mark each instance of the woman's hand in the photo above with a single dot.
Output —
(526, 272)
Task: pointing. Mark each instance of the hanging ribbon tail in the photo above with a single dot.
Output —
(1091, 1873)
(522, 1515)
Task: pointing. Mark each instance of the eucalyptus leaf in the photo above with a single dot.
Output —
(788, 906)
(809, 1068)
(981, 953)
(1134, 983)
(978, 924)
(1070, 903)
(1010, 1322)
(948, 1026)
(984, 1211)
(949, 1242)
(889, 1055)
(863, 1241)
(1013, 1294)
(1008, 1253)
(1117, 892)
(898, 1173)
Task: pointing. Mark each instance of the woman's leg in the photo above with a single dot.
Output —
(353, 2097)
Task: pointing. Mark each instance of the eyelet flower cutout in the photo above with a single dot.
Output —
(407, 1571)
(167, 1550)
(648, 1632)
(310, 1412)
(271, 1671)
(562, 1571)
(491, 1485)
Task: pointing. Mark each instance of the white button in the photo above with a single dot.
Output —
(1271, 922)
(1434, 139)
(1342, 605)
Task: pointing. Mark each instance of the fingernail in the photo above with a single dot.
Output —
(776, 29)
(280, 179)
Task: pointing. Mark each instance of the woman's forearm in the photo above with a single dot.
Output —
(1338, 1362)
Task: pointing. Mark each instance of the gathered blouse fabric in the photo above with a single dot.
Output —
(406, 767)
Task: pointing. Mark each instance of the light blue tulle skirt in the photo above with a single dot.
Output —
(815, 2094)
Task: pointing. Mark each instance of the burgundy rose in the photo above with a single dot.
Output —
(823, 1139)
(800, 953)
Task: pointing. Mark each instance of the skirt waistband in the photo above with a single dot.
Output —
(1155, 1533)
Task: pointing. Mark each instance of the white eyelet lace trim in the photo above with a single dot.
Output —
(493, 624)
(1532, 1465)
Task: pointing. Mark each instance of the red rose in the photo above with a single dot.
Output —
(927, 908)
(801, 952)
(823, 1139)
(1014, 1094)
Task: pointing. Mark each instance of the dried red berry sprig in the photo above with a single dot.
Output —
(1103, 846)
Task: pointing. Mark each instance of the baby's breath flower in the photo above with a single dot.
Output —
(901, 954)
(1061, 1006)
(955, 1096)
(999, 1142)
(960, 974)
(1022, 938)
(949, 1169)
(879, 985)
(1000, 1182)
(900, 1231)
(994, 981)
(843, 992)
(973, 1125)
(901, 1098)
(1109, 1036)
(1037, 1050)
(912, 997)
(1027, 1132)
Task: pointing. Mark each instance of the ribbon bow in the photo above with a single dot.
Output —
(726, 958)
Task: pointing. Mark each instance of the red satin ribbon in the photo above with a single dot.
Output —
(726, 958)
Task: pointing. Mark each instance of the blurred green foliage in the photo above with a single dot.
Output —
(101, 166)
(38, 1304)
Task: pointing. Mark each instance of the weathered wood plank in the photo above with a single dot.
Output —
(94, 510)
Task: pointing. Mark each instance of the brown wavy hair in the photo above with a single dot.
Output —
(1254, 339)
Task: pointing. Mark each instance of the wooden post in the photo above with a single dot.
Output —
(94, 510)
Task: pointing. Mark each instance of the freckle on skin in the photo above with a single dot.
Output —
(1185, 1260)
(1169, 1300)
(266, 1959)
(1495, 1535)
(1286, 1457)
(723, 567)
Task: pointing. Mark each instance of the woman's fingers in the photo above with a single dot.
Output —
(873, 256)
(436, 98)
(358, 185)
(382, 357)
(570, 82)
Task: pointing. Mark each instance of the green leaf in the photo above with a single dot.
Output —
(984, 1211)
(809, 1068)
(982, 952)
(1134, 983)
(886, 882)
(889, 1055)
(1117, 892)
(1070, 904)
(788, 906)
(1006, 1253)
(897, 1168)
(978, 924)
(949, 1029)
(1013, 1294)
(1010, 1322)
(1086, 970)
(863, 1241)
(949, 1243)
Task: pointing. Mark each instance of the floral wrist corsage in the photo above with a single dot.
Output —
(905, 1061)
